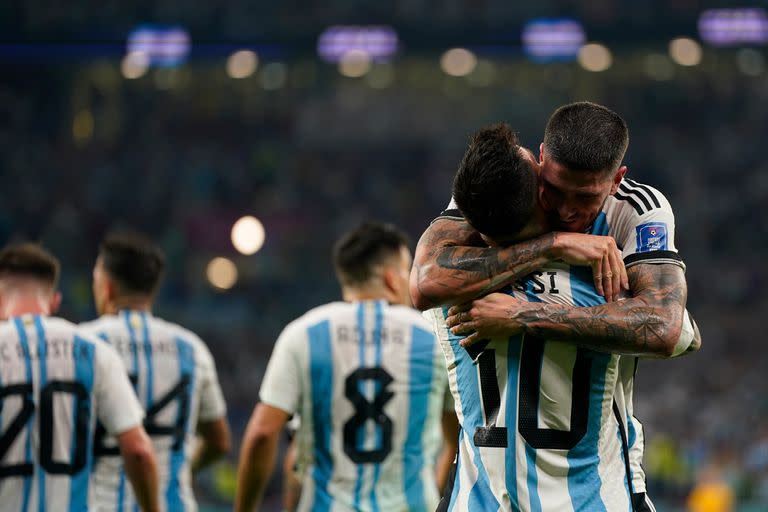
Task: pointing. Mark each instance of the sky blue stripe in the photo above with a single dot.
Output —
(24, 342)
(360, 433)
(121, 490)
(480, 497)
(420, 374)
(134, 348)
(600, 226)
(321, 373)
(631, 432)
(186, 368)
(583, 478)
(83, 359)
(41, 358)
(379, 437)
(514, 348)
(148, 356)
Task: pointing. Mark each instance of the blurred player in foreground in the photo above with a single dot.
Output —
(368, 380)
(172, 371)
(55, 382)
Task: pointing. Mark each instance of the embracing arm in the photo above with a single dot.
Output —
(453, 264)
(648, 324)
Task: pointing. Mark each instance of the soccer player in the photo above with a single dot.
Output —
(172, 371)
(499, 214)
(55, 383)
(368, 380)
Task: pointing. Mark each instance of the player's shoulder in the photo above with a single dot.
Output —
(325, 312)
(636, 199)
(163, 328)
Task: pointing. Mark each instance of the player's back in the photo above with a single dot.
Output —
(175, 380)
(538, 427)
(54, 382)
(372, 393)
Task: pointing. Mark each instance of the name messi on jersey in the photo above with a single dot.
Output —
(538, 283)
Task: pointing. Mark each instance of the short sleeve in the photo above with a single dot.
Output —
(117, 406)
(212, 404)
(646, 225)
(281, 386)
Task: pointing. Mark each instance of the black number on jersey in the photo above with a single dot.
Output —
(365, 411)
(179, 392)
(47, 425)
(530, 384)
(491, 436)
(24, 392)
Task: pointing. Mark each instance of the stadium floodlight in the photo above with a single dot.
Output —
(166, 46)
(248, 235)
(134, 65)
(553, 39)
(355, 63)
(221, 273)
(379, 42)
(685, 51)
(732, 27)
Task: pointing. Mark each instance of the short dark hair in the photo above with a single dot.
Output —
(357, 253)
(585, 136)
(29, 260)
(133, 261)
(495, 186)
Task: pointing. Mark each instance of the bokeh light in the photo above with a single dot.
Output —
(750, 62)
(685, 51)
(134, 65)
(595, 57)
(273, 76)
(355, 63)
(221, 273)
(248, 235)
(242, 64)
(458, 62)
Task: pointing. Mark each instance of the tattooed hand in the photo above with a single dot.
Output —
(492, 316)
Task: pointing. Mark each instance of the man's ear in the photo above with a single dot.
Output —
(391, 280)
(55, 302)
(541, 153)
(617, 178)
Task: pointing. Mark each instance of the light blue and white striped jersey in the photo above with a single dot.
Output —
(369, 382)
(55, 382)
(174, 376)
(641, 221)
(538, 426)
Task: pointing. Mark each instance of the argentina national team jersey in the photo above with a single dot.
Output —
(538, 428)
(369, 382)
(174, 377)
(55, 383)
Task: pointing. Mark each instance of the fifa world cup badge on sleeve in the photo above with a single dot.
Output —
(652, 237)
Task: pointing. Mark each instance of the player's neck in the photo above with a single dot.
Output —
(26, 305)
(130, 304)
(363, 294)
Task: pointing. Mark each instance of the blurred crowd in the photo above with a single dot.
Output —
(181, 154)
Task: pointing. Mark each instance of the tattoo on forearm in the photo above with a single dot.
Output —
(638, 325)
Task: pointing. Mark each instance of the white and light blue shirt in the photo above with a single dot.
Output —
(174, 377)
(369, 382)
(56, 382)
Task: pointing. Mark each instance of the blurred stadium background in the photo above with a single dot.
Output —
(179, 119)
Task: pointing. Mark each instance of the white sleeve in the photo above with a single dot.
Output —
(281, 386)
(212, 404)
(646, 227)
(117, 406)
(687, 334)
